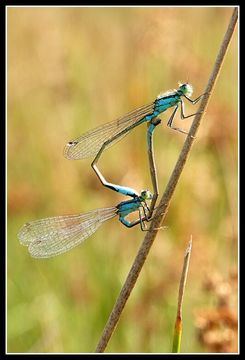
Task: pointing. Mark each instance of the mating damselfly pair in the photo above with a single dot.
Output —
(55, 235)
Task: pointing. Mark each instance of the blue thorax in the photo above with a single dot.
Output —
(129, 206)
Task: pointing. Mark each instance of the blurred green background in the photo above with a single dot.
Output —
(69, 70)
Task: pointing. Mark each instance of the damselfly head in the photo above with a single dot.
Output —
(146, 195)
(186, 89)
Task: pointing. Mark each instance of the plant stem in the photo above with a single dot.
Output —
(162, 209)
(178, 322)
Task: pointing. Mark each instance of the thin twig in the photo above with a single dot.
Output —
(167, 196)
(178, 322)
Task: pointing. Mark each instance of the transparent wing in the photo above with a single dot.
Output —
(55, 235)
(89, 144)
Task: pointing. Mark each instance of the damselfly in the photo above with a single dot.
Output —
(55, 235)
(95, 141)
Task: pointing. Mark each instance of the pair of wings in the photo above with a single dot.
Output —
(90, 143)
(55, 235)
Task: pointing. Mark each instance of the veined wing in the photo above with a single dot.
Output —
(89, 144)
(55, 235)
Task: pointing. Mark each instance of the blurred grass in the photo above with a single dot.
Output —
(70, 69)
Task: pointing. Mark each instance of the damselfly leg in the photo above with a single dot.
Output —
(182, 112)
